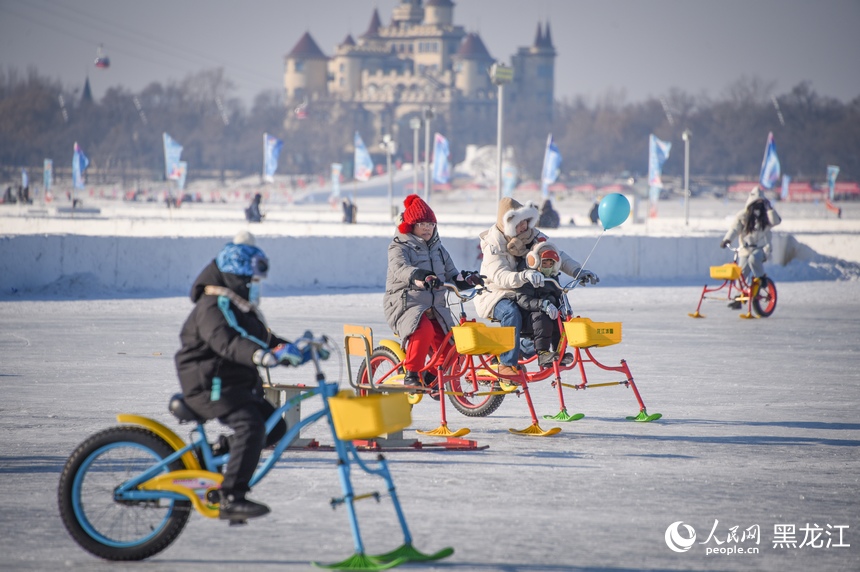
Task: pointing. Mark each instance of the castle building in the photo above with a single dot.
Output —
(421, 60)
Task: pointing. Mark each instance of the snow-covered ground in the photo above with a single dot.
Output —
(760, 427)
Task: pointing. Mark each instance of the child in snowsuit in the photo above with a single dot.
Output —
(223, 341)
(414, 299)
(751, 227)
(539, 304)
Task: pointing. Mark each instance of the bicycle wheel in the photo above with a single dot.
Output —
(100, 523)
(764, 302)
(382, 362)
(474, 405)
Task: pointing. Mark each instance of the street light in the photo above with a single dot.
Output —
(500, 74)
(415, 124)
(428, 117)
(390, 147)
(686, 135)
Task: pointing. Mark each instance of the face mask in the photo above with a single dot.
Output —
(254, 293)
(546, 271)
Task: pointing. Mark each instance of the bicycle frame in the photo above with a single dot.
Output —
(748, 293)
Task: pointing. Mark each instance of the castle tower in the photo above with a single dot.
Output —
(471, 63)
(345, 68)
(408, 13)
(305, 71)
(439, 13)
(534, 76)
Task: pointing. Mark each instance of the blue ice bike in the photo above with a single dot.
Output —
(127, 492)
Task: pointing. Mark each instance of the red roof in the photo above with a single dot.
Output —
(472, 47)
(306, 48)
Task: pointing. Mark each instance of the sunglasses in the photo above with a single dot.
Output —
(425, 225)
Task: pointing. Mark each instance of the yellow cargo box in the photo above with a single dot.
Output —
(728, 271)
(475, 338)
(583, 333)
(370, 416)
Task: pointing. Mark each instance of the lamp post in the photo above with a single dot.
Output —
(686, 135)
(390, 147)
(500, 74)
(415, 124)
(428, 118)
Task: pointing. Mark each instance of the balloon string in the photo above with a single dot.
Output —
(582, 266)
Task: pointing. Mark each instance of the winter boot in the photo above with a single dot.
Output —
(410, 379)
(545, 358)
(234, 506)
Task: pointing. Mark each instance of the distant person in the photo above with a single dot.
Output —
(252, 213)
(504, 247)
(8, 196)
(414, 301)
(752, 227)
(350, 210)
(594, 213)
(540, 304)
(549, 217)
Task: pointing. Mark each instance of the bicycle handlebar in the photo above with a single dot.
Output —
(469, 294)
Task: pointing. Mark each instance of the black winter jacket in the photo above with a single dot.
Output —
(219, 338)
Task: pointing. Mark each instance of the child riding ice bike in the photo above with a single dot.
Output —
(127, 492)
(757, 294)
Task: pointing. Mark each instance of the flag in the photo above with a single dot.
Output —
(79, 165)
(509, 179)
(363, 167)
(551, 166)
(271, 151)
(769, 164)
(658, 152)
(48, 175)
(786, 181)
(172, 153)
(182, 172)
(441, 163)
(25, 179)
(336, 169)
(832, 173)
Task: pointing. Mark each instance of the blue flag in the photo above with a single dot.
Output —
(336, 169)
(183, 172)
(363, 168)
(441, 164)
(832, 173)
(769, 165)
(172, 153)
(786, 181)
(48, 175)
(551, 166)
(79, 165)
(271, 151)
(25, 178)
(509, 179)
(658, 152)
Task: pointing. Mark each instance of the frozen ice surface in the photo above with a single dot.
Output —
(760, 428)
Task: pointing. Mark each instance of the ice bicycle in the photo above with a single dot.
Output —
(759, 295)
(127, 492)
(581, 335)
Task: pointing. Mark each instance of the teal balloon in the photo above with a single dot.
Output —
(613, 210)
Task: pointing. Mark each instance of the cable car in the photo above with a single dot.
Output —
(102, 61)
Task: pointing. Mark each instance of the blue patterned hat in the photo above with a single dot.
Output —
(242, 259)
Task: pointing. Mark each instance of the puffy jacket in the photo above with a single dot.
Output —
(404, 302)
(215, 366)
(504, 270)
(758, 238)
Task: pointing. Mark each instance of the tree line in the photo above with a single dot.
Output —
(122, 132)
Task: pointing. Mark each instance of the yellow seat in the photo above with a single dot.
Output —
(583, 333)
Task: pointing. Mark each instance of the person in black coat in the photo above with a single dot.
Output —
(252, 213)
(224, 340)
(549, 217)
(539, 305)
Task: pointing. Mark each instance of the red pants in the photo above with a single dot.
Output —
(428, 336)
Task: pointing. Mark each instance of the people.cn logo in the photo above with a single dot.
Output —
(675, 541)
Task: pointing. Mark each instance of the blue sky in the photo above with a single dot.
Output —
(633, 49)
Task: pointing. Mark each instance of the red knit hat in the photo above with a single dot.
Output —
(416, 211)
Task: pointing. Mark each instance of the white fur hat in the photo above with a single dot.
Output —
(244, 237)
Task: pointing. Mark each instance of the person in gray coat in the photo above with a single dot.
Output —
(414, 299)
(751, 227)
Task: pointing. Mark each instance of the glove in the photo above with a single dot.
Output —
(472, 278)
(725, 243)
(432, 282)
(588, 276)
(289, 353)
(549, 309)
(533, 276)
(264, 358)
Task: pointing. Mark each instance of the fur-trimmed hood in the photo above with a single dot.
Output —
(511, 213)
